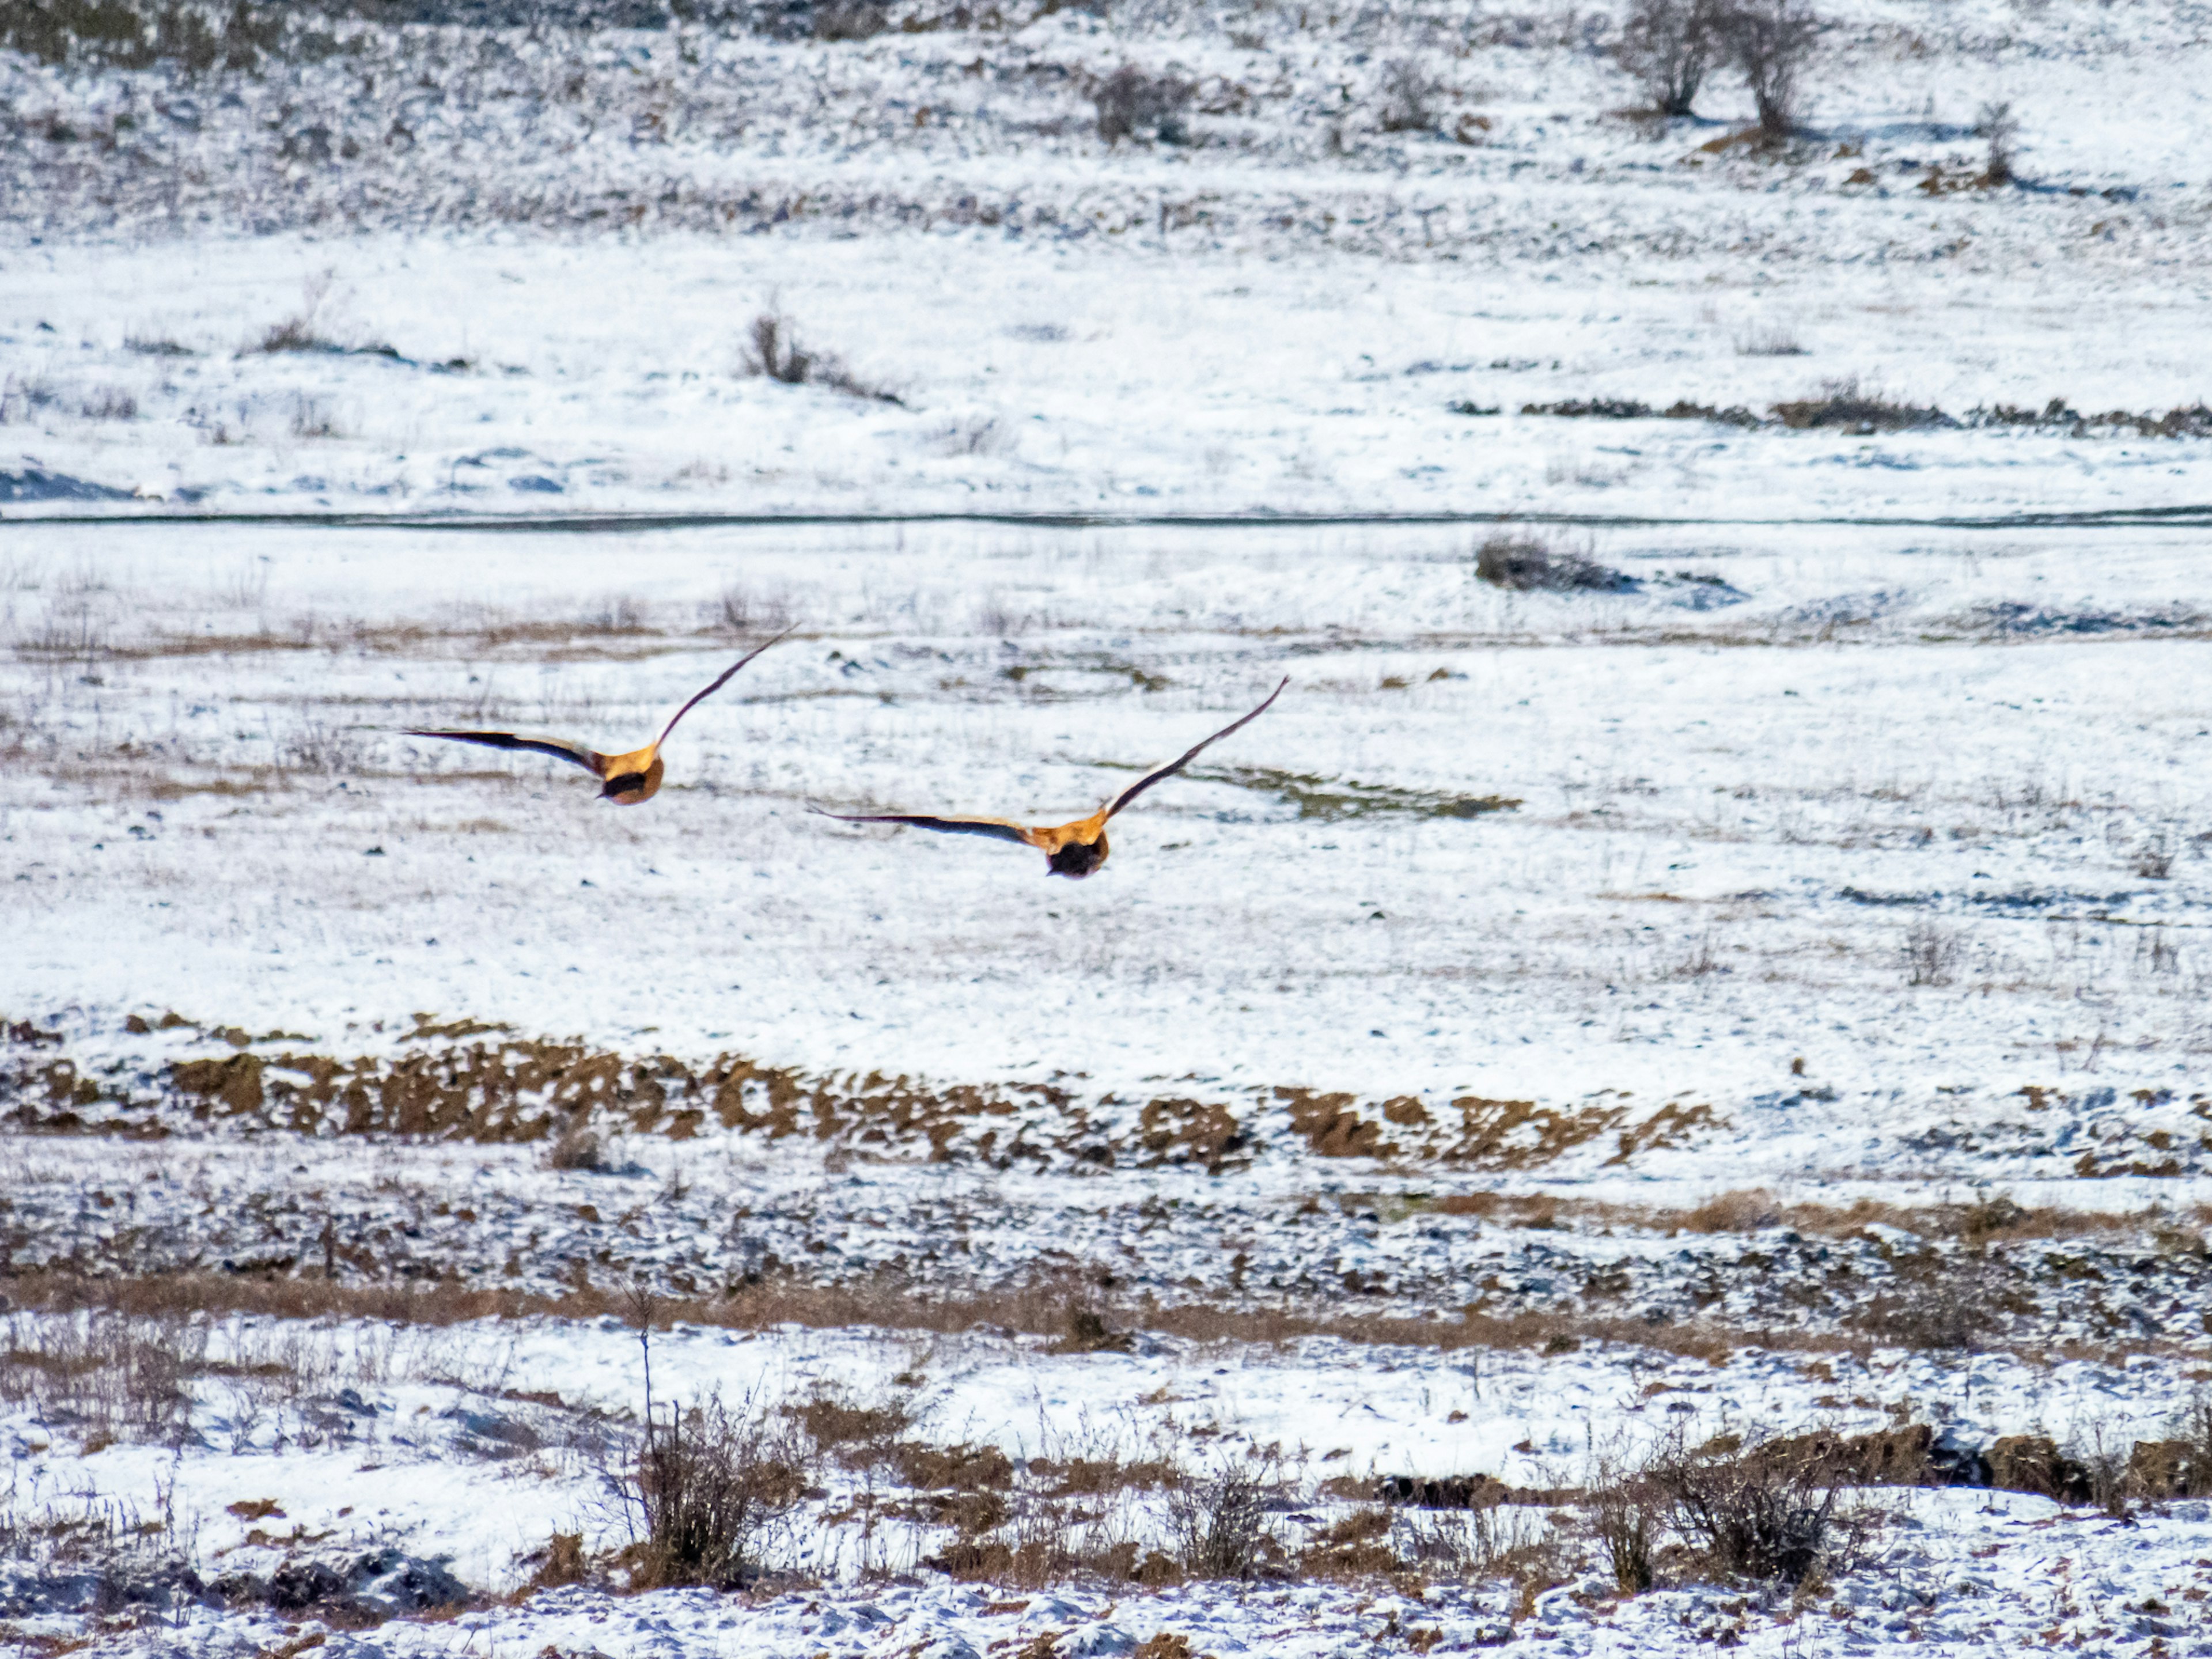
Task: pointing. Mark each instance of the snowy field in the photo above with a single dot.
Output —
(1456, 1003)
(451, 272)
(1584, 1050)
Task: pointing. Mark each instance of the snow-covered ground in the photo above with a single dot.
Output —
(521, 271)
(1844, 836)
(1762, 991)
(472, 1444)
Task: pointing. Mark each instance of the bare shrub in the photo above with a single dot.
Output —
(1669, 45)
(850, 19)
(708, 1489)
(2154, 860)
(78, 631)
(20, 399)
(1771, 41)
(615, 613)
(1525, 564)
(1220, 1521)
(1409, 97)
(312, 418)
(1625, 1512)
(1999, 128)
(1131, 101)
(244, 586)
(1759, 1508)
(577, 1148)
(109, 402)
(773, 350)
(314, 745)
(1768, 340)
(743, 610)
(300, 332)
(2156, 952)
(1931, 954)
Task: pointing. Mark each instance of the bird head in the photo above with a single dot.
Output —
(1077, 859)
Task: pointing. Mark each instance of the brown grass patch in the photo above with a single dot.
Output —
(1034, 1308)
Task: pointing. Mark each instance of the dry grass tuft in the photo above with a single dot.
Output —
(860, 1436)
(1741, 1212)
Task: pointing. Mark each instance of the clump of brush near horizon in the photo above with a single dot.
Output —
(773, 350)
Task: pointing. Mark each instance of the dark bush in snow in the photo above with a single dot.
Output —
(1997, 124)
(1130, 101)
(1409, 97)
(1771, 41)
(1669, 46)
(1766, 1510)
(1527, 565)
(708, 1487)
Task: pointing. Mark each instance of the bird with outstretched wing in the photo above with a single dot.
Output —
(1070, 849)
(625, 778)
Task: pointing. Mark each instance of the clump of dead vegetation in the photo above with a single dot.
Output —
(1761, 1509)
(1849, 406)
(1527, 564)
(1408, 96)
(772, 351)
(1846, 405)
(711, 1486)
(197, 39)
(1132, 101)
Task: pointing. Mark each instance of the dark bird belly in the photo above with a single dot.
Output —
(1077, 859)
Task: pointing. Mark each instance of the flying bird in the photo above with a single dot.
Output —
(625, 779)
(1070, 849)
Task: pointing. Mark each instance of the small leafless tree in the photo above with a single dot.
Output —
(2000, 127)
(1409, 97)
(1931, 954)
(1771, 42)
(1669, 45)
